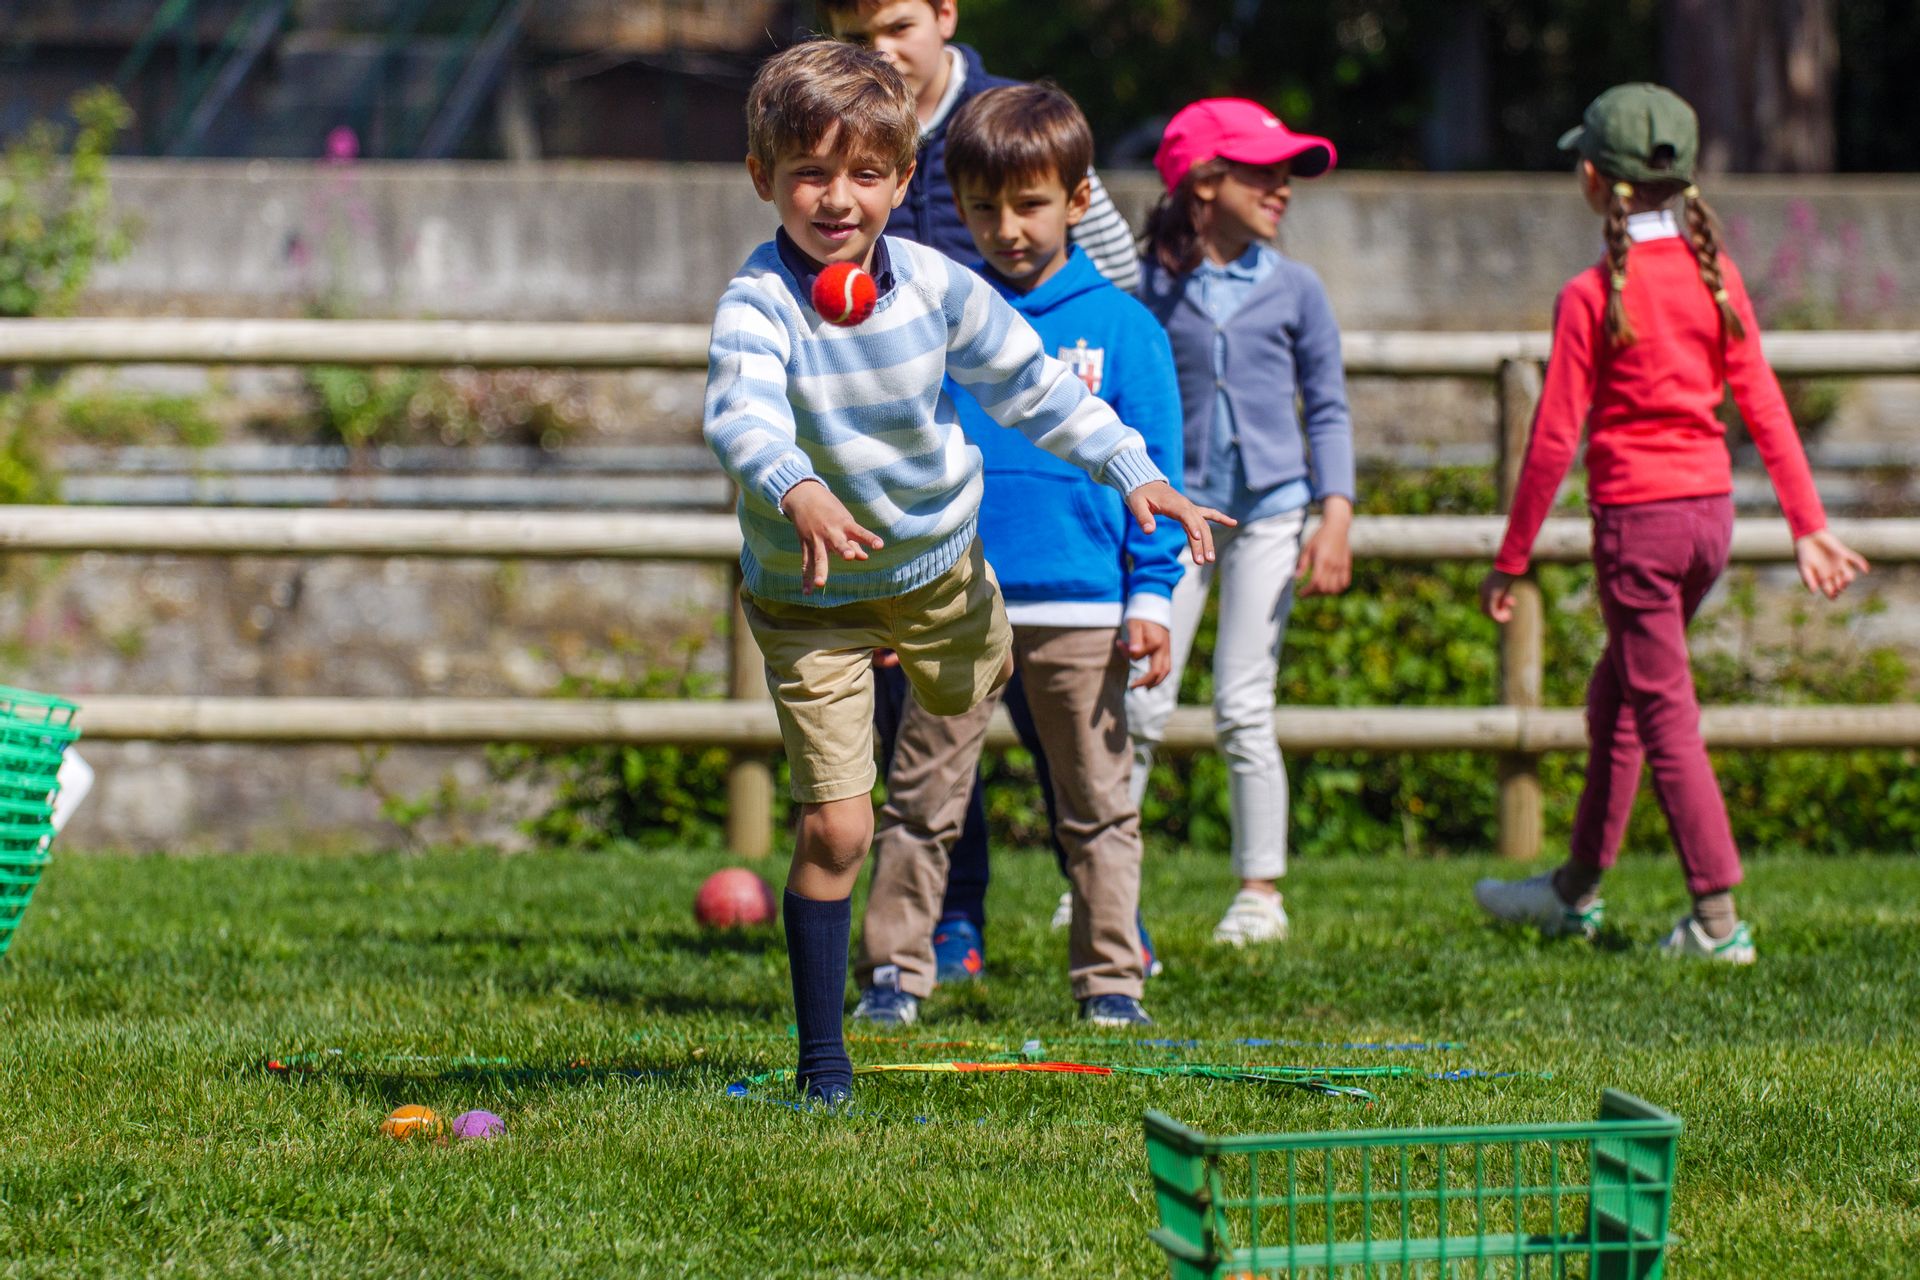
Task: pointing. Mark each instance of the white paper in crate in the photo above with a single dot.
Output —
(76, 779)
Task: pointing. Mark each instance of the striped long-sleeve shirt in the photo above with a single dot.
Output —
(865, 411)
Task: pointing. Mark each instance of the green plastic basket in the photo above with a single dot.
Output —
(41, 763)
(37, 787)
(28, 707)
(19, 877)
(35, 731)
(1563, 1200)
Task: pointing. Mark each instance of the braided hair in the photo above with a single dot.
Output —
(1619, 328)
(1703, 237)
(1703, 233)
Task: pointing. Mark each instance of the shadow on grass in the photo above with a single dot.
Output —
(402, 1079)
(700, 943)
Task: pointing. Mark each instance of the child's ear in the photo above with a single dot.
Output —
(1078, 201)
(762, 180)
(906, 176)
(946, 17)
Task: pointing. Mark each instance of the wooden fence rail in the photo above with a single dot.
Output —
(512, 343)
(1518, 730)
(746, 725)
(234, 531)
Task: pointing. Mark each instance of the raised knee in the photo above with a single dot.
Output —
(836, 836)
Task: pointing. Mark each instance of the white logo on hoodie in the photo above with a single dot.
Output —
(1089, 364)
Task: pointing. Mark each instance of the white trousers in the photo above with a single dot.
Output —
(1255, 563)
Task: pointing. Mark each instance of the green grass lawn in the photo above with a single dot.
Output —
(139, 1133)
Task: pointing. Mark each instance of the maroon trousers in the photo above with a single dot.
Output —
(1654, 563)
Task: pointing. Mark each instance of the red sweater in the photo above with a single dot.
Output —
(1650, 407)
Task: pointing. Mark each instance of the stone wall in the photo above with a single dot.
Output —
(657, 242)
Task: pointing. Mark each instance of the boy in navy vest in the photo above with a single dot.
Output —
(915, 36)
(1084, 590)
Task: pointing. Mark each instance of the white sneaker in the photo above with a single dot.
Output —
(1063, 914)
(1689, 940)
(1252, 917)
(1536, 902)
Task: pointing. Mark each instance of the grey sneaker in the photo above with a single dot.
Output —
(884, 1004)
(1536, 902)
(1689, 940)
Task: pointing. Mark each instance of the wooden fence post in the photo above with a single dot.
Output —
(1520, 829)
(749, 780)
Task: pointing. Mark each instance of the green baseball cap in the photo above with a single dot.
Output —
(1630, 125)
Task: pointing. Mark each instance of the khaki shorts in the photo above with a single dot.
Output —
(953, 640)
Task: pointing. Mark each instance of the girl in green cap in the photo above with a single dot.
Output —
(1642, 356)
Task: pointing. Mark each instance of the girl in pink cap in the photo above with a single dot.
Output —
(1252, 333)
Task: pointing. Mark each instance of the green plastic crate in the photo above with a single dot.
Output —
(28, 707)
(35, 731)
(1563, 1200)
(19, 877)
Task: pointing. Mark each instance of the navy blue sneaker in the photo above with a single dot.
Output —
(957, 951)
(1149, 959)
(884, 1004)
(1114, 1011)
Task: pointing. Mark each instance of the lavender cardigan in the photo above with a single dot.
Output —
(1283, 341)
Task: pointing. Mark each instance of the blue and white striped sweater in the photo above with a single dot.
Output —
(865, 411)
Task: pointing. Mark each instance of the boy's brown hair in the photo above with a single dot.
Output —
(858, 8)
(1018, 133)
(801, 93)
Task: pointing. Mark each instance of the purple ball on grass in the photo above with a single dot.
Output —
(478, 1124)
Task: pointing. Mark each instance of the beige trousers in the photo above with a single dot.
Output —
(1076, 683)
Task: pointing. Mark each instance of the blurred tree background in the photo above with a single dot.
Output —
(1782, 85)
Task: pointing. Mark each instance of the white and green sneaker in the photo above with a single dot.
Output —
(1536, 902)
(1689, 940)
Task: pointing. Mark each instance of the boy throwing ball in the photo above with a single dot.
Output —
(845, 447)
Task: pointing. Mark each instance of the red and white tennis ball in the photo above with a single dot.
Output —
(733, 899)
(843, 294)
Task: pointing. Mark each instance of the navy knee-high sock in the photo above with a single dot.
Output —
(817, 956)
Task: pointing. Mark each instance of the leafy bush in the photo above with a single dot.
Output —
(660, 796)
(24, 473)
(55, 226)
(1414, 636)
(456, 407)
(1401, 636)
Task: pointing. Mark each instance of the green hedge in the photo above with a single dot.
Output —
(1401, 636)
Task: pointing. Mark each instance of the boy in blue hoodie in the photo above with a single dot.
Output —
(916, 36)
(1083, 592)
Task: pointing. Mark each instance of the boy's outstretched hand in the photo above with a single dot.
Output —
(1160, 498)
(827, 529)
(1496, 595)
(1827, 565)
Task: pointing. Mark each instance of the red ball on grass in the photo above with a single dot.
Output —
(843, 294)
(733, 899)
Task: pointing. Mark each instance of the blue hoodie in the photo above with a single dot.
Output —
(1054, 536)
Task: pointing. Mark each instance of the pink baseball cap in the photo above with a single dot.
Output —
(1236, 129)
